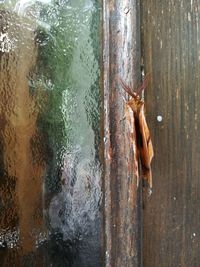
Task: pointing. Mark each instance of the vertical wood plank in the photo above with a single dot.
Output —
(121, 59)
(171, 53)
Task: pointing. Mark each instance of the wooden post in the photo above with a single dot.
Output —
(171, 52)
(121, 59)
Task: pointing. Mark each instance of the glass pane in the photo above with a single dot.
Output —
(50, 183)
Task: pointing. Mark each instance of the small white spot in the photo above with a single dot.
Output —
(194, 234)
(174, 198)
(159, 118)
(161, 44)
(150, 191)
(189, 16)
(5, 43)
(107, 255)
(126, 10)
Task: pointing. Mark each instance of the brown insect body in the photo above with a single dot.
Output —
(143, 139)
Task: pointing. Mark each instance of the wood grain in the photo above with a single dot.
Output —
(121, 59)
(171, 53)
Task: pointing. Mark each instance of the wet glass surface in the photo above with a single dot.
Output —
(50, 185)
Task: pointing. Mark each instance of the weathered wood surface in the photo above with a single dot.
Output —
(121, 59)
(171, 51)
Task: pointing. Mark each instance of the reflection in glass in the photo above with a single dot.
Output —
(50, 189)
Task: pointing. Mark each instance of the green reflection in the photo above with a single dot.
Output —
(63, 84)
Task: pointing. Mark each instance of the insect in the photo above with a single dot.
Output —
(144, 147)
